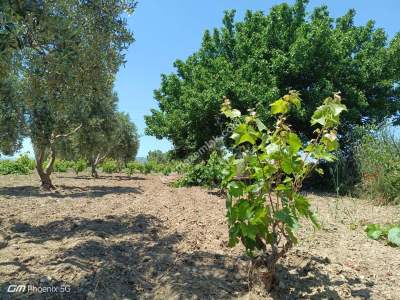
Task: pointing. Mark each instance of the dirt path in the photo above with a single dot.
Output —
(128, 238)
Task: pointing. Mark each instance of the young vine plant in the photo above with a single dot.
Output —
(265, 175)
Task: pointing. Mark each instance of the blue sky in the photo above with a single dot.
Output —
(168, 30)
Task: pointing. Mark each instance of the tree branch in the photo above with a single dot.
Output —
(101, 158)
(68, 134)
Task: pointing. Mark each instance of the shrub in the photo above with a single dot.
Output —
(180, 167)
(193, 176)
(110, 166)
(11, 167)
(5, 167)
(61, 166)
(150, 166)
(389, 232)
(339, 177)
(21, 166)
(140, 168)
(378, 161)
(265, 176)
(24, 160)
(79, 166)
(166, 170)
(208, 174)
(132, 167)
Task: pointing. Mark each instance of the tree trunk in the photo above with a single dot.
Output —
(263, 269)
(94, 171)
(95, 161)
(44, 174)
(46, 181)
(52, 159)
(40, 152)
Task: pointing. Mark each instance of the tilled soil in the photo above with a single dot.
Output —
(136, 237)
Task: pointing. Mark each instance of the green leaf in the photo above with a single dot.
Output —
(374, 231)
(295, 100)
(314, 220)
(269, 170)
(320, 153)
(259, 216)
(249, 231)
(292, 237)
(232, 242)
(230, 113)
(234, 231)
(394, 236)
(260, 125)
(294, 142)
(244, 210)
(279, 107)
(328, 113)
(285, 216)
(282, 187)
(287, 165)
(236, 188)
(246, 137)
(331, 145)
(243, 134)
(235, 136)
(302, 205)
(330, 141)
(337, 108)
(318, 118)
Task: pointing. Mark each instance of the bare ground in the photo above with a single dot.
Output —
(138, 238)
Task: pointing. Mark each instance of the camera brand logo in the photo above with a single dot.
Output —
(14, 288)
(21, 288)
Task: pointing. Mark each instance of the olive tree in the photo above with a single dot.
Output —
(113, 137)
(66, 43)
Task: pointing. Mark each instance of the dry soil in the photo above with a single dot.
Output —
(136, 237)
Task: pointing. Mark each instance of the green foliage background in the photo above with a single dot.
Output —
(377, 156)
(254, 61)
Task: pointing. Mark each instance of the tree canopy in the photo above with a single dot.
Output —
(62, 56)
(106, 134)
(259, 59)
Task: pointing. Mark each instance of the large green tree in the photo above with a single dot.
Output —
(255, 61)
(67, 52)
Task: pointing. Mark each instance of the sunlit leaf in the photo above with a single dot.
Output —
(374, 231)
(279, 107)
(260, 125)
(294, 142)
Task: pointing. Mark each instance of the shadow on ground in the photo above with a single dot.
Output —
(132, 257)
(125, 257)
(104, 177)
(64, 191)
(81, 227)
(309, 281)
